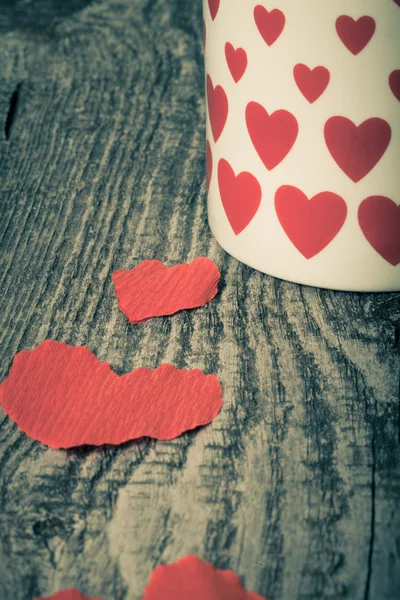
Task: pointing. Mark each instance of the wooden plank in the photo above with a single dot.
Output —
(296, 485)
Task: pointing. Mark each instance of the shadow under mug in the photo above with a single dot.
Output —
(303, 138)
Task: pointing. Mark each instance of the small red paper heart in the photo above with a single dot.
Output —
(194, 579)
(237, 61)
(357, 150)
(272, 135)
(379, 219)
(355, 35)
(240, 195)
(217, 108)
(311, 82)
(214, 7)
(394, 82)
(310, 225)
(269, 24)
(209, 164)
(69, 594)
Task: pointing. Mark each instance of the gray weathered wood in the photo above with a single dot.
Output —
(296, 485)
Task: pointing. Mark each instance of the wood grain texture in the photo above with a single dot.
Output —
(296, 485)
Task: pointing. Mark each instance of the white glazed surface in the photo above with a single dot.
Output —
(358, 89)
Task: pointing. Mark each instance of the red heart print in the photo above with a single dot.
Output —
(379, 219)
(240, 195)
(214, 7)
(311, 82)
(355, 35)
(217, 108)
(394, 82)
(269, 24)
(272, 135)
(209, 164)
(357, 150)
(236, 60)
(310, 225)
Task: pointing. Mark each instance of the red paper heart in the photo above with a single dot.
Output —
(311, 82)
(397, 2)
(272, 135)
(213, 6)
(379, 219)
(240, 195)
(209, 164)
(357, 150)
(64, 396)
(269, 24)
(194, 579)
(69, 594)
(394, 82)
(152, 289)
(217, 108)
(310, 224)
(355, 35)
(237, 61)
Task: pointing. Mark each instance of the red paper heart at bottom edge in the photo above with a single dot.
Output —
(194, 579)
(357, 150)
(270, 24)
(152, 289)
(379, 219)
(311, 82)
(236, 60)
(394, 82)
(217, 108)
(310, 225)
(214, 7)
(64, 396)
(272, 135)
(69, 594)
(240, 196)
(355, 35)
(209, 164)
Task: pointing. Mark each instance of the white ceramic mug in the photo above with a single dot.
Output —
(303, 138)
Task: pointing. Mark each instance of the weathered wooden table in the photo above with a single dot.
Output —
(296, 485)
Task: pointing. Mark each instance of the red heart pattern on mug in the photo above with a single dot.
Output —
(355, 35)
(311, 225)
(311, 82)
(217, 108)
(213, 5)
(394, 82)
(270, 24)
(209, 164)
(236, 60)
(379, 219)
(357, 150)
(240, 196)
(272, 135)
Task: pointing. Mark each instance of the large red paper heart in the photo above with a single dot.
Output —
(379, 219)
(240, 195)
(209, 164)
(194, 579)
(355, 35)
(213, 6)
(272, 135)
(310, 224)
(236, 60)
(152, 289)
(394, 82)
(64, 396)
(269, 24)
(217, 108)
(311, 82)
(357, 150)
